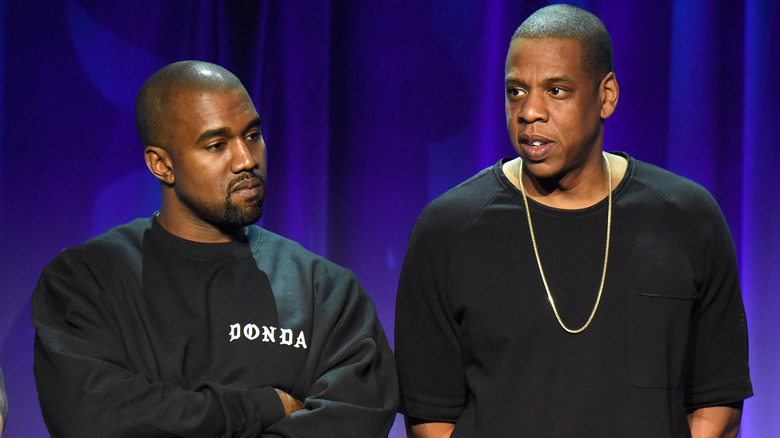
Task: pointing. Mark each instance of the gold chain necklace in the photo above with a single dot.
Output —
(539, 260)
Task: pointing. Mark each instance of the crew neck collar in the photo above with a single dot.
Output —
(199, 250)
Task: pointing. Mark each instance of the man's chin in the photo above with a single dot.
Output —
(239, 218)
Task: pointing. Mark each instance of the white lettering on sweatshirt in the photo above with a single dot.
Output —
(253, 332)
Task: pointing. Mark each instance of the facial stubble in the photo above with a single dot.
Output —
(238, 217)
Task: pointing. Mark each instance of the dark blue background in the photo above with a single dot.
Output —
(370, 110)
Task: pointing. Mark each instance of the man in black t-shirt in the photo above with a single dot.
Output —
(195, 322)
(570, 292)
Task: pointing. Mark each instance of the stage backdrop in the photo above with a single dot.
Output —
(371, 109)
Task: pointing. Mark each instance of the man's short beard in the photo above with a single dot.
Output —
(231, 218)
(236, 217)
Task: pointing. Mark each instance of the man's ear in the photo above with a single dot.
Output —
(609, 91)
(159, 163)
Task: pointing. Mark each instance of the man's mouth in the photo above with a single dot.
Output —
(534, 140)
(250, 186)
(536, 148)
(246, 184)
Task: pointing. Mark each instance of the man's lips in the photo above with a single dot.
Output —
(533, 139)
(535, 147)
(249, 186)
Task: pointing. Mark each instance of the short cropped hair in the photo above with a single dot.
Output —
(567, 21)
(162, 87)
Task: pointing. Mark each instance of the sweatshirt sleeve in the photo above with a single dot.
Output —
(87, 386)
(353, 390)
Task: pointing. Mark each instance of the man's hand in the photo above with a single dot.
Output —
(291, 404)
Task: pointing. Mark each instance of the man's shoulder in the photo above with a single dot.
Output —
(270, 248)
(264, 240)
(122, 241)
(673, 199)
(119, 238)
(464, 201)
(671, 187)
(301, 275)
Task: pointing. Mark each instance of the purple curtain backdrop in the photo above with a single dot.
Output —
(371, 109)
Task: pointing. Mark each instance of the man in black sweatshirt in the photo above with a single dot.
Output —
(195, 322)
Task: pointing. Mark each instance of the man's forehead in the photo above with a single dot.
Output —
(196, 93)
(193, 101)
(548, 51)
(198, 111)
(546, 43)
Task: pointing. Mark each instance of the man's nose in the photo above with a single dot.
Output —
(246, 158)
(533, 108)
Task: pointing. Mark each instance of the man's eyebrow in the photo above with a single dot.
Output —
(223, 131)
(559, 79)
(216, 132)
(255, 123)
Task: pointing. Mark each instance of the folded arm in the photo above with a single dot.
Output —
(353, 391)
(88, 386)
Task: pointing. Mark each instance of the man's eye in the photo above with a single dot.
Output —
(253, 136)
(216, 146)
(514, 92)
(555, 91)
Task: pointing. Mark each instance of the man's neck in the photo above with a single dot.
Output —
(194, 229)
(580, 191)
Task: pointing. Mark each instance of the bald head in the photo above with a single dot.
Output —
(160, 90)
(567, 21)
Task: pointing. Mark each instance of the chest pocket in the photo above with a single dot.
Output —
(658, 328)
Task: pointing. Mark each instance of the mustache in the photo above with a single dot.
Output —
(246, 175)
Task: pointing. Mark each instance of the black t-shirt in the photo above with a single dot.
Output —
(199, 299)
(477, 342)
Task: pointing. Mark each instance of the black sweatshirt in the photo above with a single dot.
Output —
(141, 333)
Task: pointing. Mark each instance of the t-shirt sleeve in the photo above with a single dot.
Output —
(427, 339)
(718, 371)
(88, 387)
